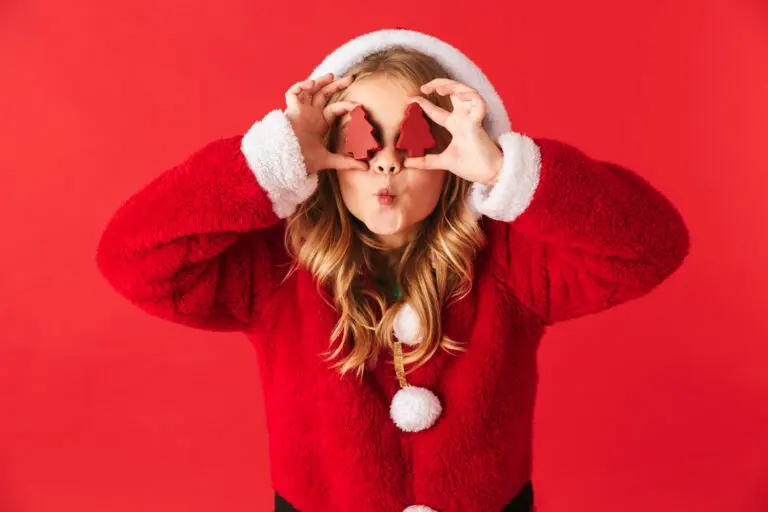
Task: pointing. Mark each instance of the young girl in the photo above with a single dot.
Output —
(396, 303)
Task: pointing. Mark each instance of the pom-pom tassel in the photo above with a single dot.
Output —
(412, 408)
(406, 326)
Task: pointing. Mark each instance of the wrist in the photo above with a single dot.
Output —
(516, 183)
(273, 153)
(494, 168)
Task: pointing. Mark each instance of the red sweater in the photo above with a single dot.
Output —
(567, 236)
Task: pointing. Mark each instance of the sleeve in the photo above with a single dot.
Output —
(202, 243)
(578, 235)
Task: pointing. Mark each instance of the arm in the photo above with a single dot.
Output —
(202, 244)
(578, 235)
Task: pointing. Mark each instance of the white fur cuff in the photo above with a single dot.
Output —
(516, 183)
(273, 154)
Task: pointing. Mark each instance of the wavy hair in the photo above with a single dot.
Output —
(434, 268)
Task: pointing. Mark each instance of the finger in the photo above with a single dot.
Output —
(445, 86)
(453, 89)
(297, 87)
(321, 98)
(445, 83)
(430, 161)
(318, 83)
(337, 108)
(438, 81)
(308, 90)
(467, 96)
(437, 114)
(302, 92)
(345, 163)
(292, 98)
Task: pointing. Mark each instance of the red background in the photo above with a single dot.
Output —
(659, 404)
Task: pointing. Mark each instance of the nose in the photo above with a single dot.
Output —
(387, 161)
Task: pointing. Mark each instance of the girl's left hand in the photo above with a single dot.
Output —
(471, 154)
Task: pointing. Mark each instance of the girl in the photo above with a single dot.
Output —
(395, 303)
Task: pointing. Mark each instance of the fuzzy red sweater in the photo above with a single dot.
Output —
(567, 236)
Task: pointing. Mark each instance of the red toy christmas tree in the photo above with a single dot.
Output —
(415, 135)
(359, 139)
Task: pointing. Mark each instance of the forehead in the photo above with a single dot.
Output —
(384, 99)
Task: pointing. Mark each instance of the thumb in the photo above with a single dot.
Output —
(429, 161)
(344, 163)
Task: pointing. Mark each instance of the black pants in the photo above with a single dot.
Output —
(522, 502)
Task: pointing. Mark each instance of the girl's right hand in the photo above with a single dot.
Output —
(311, 120)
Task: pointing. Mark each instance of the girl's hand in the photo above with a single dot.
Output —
(311, 120)
(472, 154)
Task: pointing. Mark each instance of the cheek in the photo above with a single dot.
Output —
(352, 185)
(424, 188)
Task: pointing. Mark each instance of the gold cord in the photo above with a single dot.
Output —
(399, 367)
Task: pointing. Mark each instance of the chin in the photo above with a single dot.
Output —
(393, 227)
(387, 221)
(377, 231)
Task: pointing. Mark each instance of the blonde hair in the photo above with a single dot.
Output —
(337, 249)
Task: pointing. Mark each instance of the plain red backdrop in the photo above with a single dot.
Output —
(659, 404)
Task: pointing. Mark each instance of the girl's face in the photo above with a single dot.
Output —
(416, 191)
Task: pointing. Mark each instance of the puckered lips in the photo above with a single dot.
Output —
(385, 196)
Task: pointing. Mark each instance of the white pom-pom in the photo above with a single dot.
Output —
(414, 408)
(406, 326)
(419, 508)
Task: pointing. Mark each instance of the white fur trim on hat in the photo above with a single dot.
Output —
(414, 408)
(458, 66)
(406, 326)
(273, 154)
(516, 183)
(419, 508)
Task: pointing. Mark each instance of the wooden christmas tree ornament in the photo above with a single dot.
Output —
(358, 138)
(415, 134)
